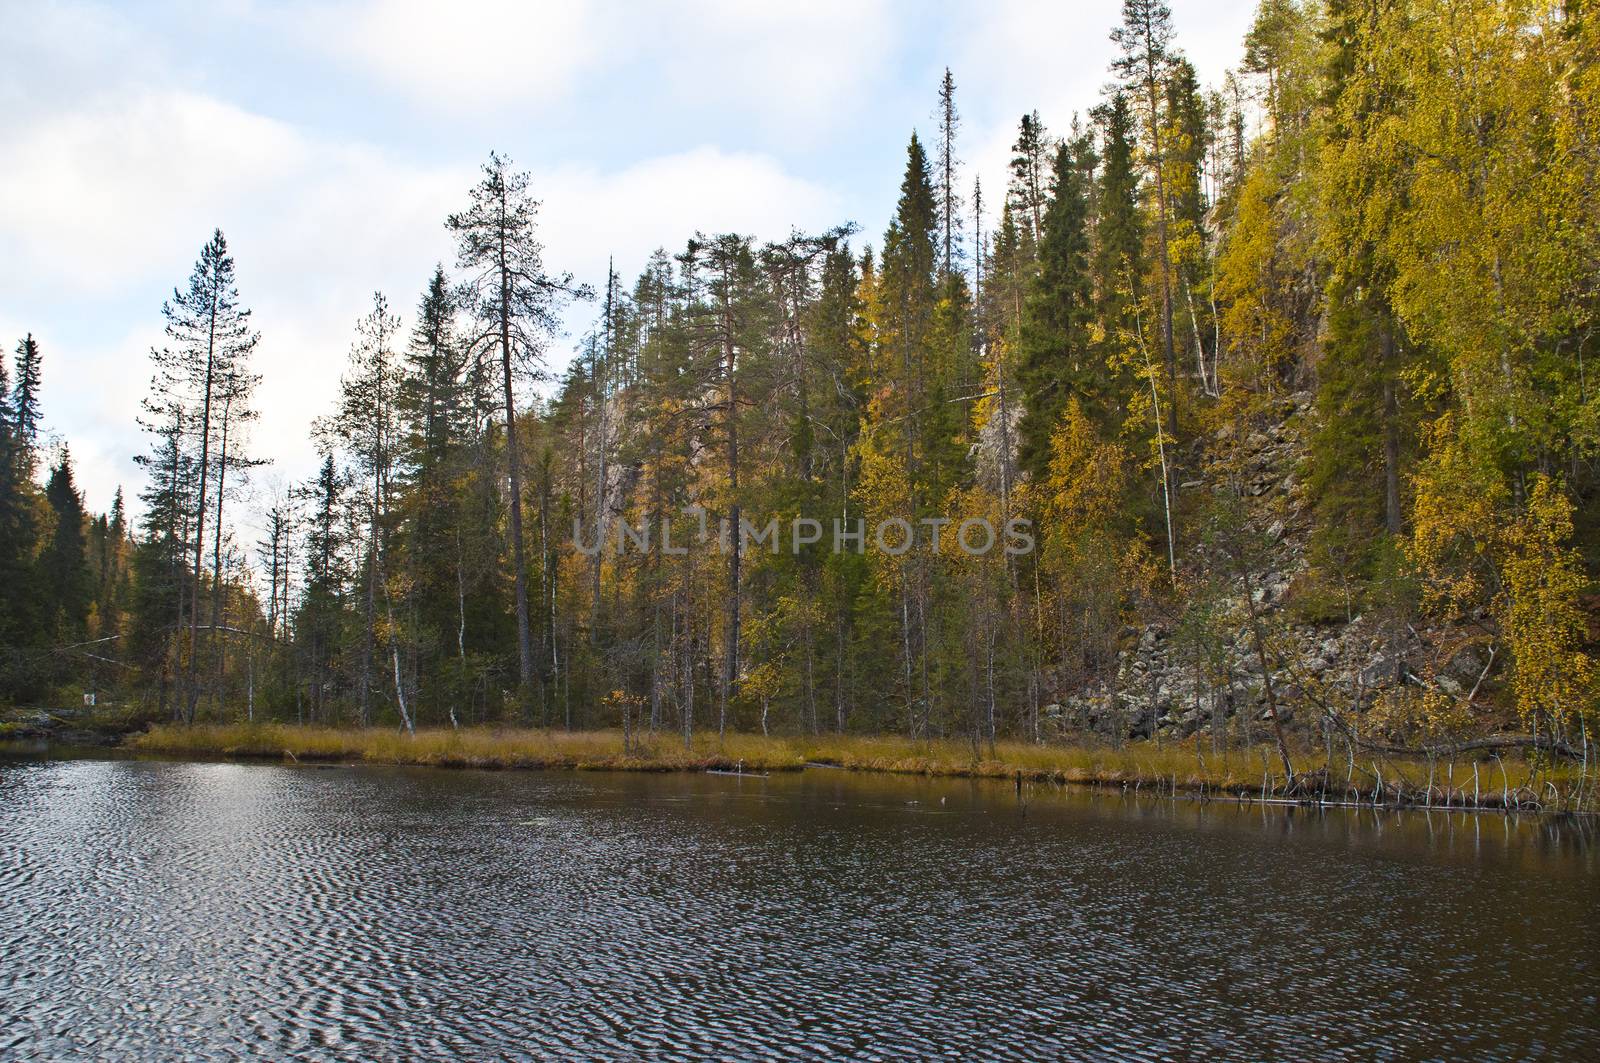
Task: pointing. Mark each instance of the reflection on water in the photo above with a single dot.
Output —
(167, 909)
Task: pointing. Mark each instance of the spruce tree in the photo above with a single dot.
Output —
(905, 464)
(25, 608)
(432, 392)
(320, 620)
(437, 544)
(111, 548)
(1188, 141)
(64, 577)
(24, 410)
(19, 605)
(947, 167)
(1361, 441)
(1058, 360)
(906, 278)
(1119, 234)
(160, 561)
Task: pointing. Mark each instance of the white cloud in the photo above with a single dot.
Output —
(663, 201)
(127, 141)
(58, 53)
(94, 198)
(801, 67)
(775, 64)
(111, 204)
(489, 54)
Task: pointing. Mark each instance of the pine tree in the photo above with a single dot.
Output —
(1030, 159)
(515, 301)
(1187, 146)
(1271, 52)
(232, 413)
(203, 382)
(366, 424)
(1145, 40)
(733, 331)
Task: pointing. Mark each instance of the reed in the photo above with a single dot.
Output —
(1239, 773)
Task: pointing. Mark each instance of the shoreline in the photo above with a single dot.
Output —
(1241, 775)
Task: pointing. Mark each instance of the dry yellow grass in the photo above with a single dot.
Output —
(475, 747)
(1143, 764)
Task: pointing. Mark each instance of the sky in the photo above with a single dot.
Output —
(330, 140)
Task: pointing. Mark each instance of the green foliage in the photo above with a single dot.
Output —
(64, 577)
(1059, 361)
(1410, 236)
(1119, 227)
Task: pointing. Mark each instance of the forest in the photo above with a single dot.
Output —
(1288, 376)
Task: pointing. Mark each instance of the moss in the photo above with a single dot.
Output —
(1311, 599)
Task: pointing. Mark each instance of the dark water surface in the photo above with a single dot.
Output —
(171, 910)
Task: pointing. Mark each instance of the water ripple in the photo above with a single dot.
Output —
(211, 911)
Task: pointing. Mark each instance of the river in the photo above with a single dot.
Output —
(212, 910)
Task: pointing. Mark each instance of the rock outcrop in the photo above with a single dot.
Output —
(1174, 681)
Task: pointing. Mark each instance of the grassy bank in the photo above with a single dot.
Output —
(1183, 768)
(472, 747)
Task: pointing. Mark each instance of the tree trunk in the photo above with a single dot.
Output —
(730, 677)
(1266, 677)
(514, 470)
(216, 561)
(192, 693)
(369, 619)
(1168, 352)
(1391, 438)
